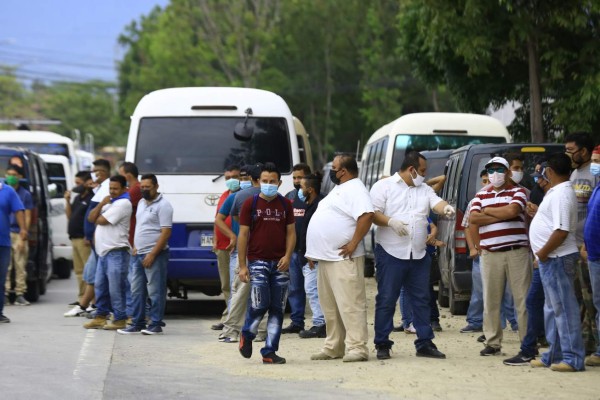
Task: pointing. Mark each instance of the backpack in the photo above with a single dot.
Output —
(253, 212)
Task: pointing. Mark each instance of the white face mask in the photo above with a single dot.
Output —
(94, 177)
(517, 176)
(497, 179)
(417, 180)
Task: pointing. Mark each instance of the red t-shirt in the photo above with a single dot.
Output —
(223, 240)
(267, 237)
(135, 195)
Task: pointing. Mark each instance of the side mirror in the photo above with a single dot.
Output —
(242, 131)
(52, 190)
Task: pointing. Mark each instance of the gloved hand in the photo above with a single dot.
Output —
(399, 227)
(449, 211)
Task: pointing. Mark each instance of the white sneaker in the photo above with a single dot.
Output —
(90, 309)
(74, 312)
(410, 330)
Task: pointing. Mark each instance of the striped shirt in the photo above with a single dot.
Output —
(510, 232)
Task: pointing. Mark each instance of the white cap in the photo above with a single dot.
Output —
(498, 160)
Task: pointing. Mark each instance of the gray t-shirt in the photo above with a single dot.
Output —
(583, 183)
(150, 218)
(240, 198)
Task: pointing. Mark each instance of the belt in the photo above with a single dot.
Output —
(120, 249)
(507, 248)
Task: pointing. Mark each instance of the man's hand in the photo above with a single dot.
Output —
(583, 253)
(232, 243)
(311, 264)
(21, 244)
(244, 274)
(283, 264)
(531, 209)
(347, 250)
(105, 201)
(148, 260)
(214, 247)
(473, 253)
(541, 256)
(87, 243)
(449, 211)
(67, 196)
(399, 227)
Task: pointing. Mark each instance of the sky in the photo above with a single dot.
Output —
(73, 40)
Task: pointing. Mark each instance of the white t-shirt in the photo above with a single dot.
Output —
(102, 191)
(558, 210)
(409, 204)
(116, 234)
(334, 222)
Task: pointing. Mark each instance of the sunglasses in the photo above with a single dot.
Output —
(499, 170)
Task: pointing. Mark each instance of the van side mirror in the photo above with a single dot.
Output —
(242, 131)
(53, 190)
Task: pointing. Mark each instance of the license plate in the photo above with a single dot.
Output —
(206, 240)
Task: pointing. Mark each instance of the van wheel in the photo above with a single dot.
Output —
(62, 268)
(369, 268)
(442, 298)
(33, 291)
(456, 307)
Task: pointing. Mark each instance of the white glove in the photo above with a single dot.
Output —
(449, 211)
(399, 227)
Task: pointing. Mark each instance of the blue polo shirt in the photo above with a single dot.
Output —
(226, 210)
(9, 203)
(27, 201)
(590, 230)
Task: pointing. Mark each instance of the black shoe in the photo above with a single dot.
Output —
(470, 329)
(272, 358)
(245, 346)
(435, 325)
(490, 351)
(383, 351)
(4, 319)
(217, 327)
(518, 360)
(291, 328)
(481, 339)
(314, 332)
(399, 328)
(75, 303)
(430, 351)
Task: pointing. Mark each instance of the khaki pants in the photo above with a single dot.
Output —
(240, 292)
(18, 262)
(223, 265)
(341, 286)
(497, 268)
(81, 252)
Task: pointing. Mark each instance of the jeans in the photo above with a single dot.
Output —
(297, 295)
(4, 261)
(393, 274)
(310, 287)
(268, 292)
(535, 315)
(406, 308)
(233, 271)
(149, 283)
(110, 284)
(561, 312)
(89, 269)
(594, 267)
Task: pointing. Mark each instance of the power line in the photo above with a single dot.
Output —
(54, 52)
(15, 58)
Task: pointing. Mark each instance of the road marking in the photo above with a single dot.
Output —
(94, 361)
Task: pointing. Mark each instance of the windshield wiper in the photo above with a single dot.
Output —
(218, 176)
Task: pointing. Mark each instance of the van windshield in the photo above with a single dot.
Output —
(59, 149)
(193, 145)
(406, 143)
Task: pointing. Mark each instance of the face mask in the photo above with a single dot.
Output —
(417, 180)
(94, 177)
(301, 195)
(333, 177)
(268, 189)
(297, 187)
(497, 179)
(595, 169)
(146, 194)
(78, 189)
(245, 184)
(11, 180)
(517, 176)
(232, 184)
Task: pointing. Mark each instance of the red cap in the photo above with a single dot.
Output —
(596, 150)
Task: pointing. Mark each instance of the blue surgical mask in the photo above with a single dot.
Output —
(232, 184)
(268, 189)
(245, 184)
(595, 169)
(301, 195)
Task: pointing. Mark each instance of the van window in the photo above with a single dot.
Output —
(301, 149)
(57, 175)
(192, 145)
(372, 168)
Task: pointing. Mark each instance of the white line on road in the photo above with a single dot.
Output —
(94, 361)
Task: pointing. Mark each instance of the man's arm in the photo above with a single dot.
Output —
(222, 226)
(556, 239)
(20, 217)
(242, 245)
(363, 224)
(380, 219)
(509, 211)
(165, 234)
(290, 244)
(436, 183)
(68, 204)
(94, 217)
(439, 207)
(480, 219)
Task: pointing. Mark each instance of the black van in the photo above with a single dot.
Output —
(39, 265)
(462, 182)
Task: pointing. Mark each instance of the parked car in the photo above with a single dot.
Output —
(462, 182)
(39, 265)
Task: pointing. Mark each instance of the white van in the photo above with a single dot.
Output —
(187, 137)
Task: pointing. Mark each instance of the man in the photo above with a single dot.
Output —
(75, 213)
(112, 217)
(129, 171)
(552, 235)
(297, 295)
(267, 239)
(334, 239)
(498, 212)
(154, 221)
(402, 204)
(591, 249)
(20, 247)
(10, 204)
(221, 241)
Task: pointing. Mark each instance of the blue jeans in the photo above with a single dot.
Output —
(535, 315)
(594, 267)
(561, 312)
(393, 274)
(406, 308)
(149, 283)
(4, 262)
(297, 295)
(110, 284)
(89, 269)
(233, 265)
(268, 292)
(310, 287)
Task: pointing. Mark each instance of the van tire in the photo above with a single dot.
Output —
(33, 291)
(369, 268)
(456, 307)
(62, 268)
(443, 300)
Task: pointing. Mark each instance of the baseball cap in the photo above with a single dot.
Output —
(498, 160)
(537, 174)
(255, 170)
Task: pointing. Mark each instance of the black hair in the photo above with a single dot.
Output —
(510, 157)
(101, 162)
(560, 164)
(255, 170)
(84, 175)
(314, 181)
(411, 159)
(271, 167)
(582, 140)
(483, 173)
(233, 167)
(118, 178)
(152, 177)
(302, 167)
(130, 168)
(348, 162)
(16, 168)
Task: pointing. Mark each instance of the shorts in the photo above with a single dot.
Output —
(89, 270)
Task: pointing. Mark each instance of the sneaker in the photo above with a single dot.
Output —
(430, 351)
(96, 323)
(518, 360)
(229, 339)
(130, 330)
(129, 320)
(399, 328)
(91, 308)
(481, 339)
(152, 330)
(514, 327)
(537, 364)
(353, 357)
(490, 351)
(20, 301)
(245, 347)
(74, 312)
(592, 361)
(410, 330)
(116, 325)
(314, 332)
(291, 328)
(435, 325)
(4, 319)
(75, 303)
(321, 357)
(471, 329)
(217, 327)
(562, 367)
(272, 358)
(383, 351)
